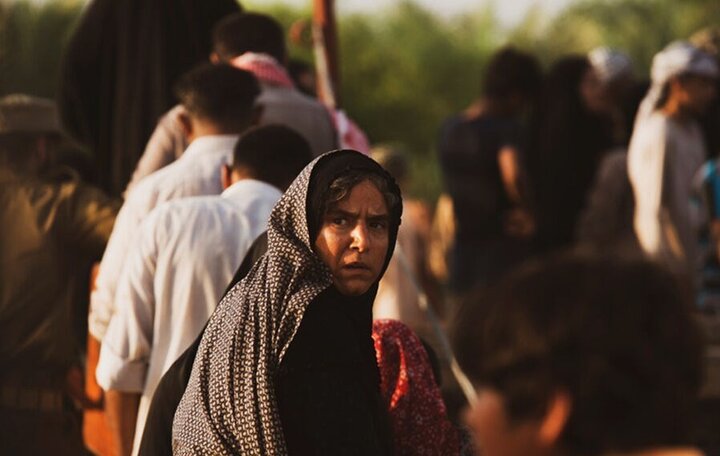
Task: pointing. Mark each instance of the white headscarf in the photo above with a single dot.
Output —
(679, 57)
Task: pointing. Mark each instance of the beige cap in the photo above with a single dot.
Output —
(25, 114)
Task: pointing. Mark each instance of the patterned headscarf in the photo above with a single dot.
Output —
(229, 406)
(264, 67)
(417, 412)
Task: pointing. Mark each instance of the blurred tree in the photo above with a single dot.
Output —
(32, 37)
(403, 69)
(639, 27)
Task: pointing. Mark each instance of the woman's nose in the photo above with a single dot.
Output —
(360, 239)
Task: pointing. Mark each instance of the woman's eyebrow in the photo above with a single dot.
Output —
(333, 211)
(379, 218)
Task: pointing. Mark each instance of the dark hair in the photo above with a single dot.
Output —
(343, 185)
(511, 71)
(272, 153)
(239, 33)
(219, 93)
(616, 334)
(566, 142)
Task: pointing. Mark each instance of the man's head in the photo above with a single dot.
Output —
(692, 93)
(686, 78)
(248, 32)
(512, 78)
(274, 154)
(218, 99)
(355, 230)
(581, 355)
(29, 131)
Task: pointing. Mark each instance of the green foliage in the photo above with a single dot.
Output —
(403, 69)
(639, 27)
(31, 41)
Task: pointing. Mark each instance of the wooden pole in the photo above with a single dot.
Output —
(325, 45)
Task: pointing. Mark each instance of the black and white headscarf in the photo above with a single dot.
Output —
(229, 405)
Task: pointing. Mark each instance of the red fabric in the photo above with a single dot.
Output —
(264, 67)
(417, 412)
(349, 133)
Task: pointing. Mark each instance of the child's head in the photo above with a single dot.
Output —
(581, 355)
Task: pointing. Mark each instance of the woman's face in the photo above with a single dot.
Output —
(353, 239)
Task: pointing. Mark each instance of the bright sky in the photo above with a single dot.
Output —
(509, 12)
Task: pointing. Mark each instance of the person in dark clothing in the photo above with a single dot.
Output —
(105, 104)
(479, 158)
(568, 139)
(309, 378)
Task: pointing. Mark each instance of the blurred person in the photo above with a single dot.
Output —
(219, 103)
(479, 159)
(411, 394)
(255, 43)
(297, 328)
(708, 40)
(303, 75)
(614, 70)
(667, 150)
(178, 267)
(569, 136)
(607, 218)
(54, 227)
(442, 236)
(583, 355)
(397, 297)
(117, 74)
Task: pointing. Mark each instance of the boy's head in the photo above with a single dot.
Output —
(686, 78)
(581, 355)
(248, 32)
(218, 99)
(274, 154)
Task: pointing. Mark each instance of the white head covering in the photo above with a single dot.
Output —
(610, 64)
(679, 57)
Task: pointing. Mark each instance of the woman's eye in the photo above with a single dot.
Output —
(340, 221)
(378, 225)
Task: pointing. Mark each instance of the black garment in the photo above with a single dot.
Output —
(328, 384)
(566, 144)
(118, 71)
(157, 435)
(469, 149)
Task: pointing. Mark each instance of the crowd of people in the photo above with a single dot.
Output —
(267, 284)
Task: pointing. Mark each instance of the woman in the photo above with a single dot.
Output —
(287, 363)
(568, 138)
